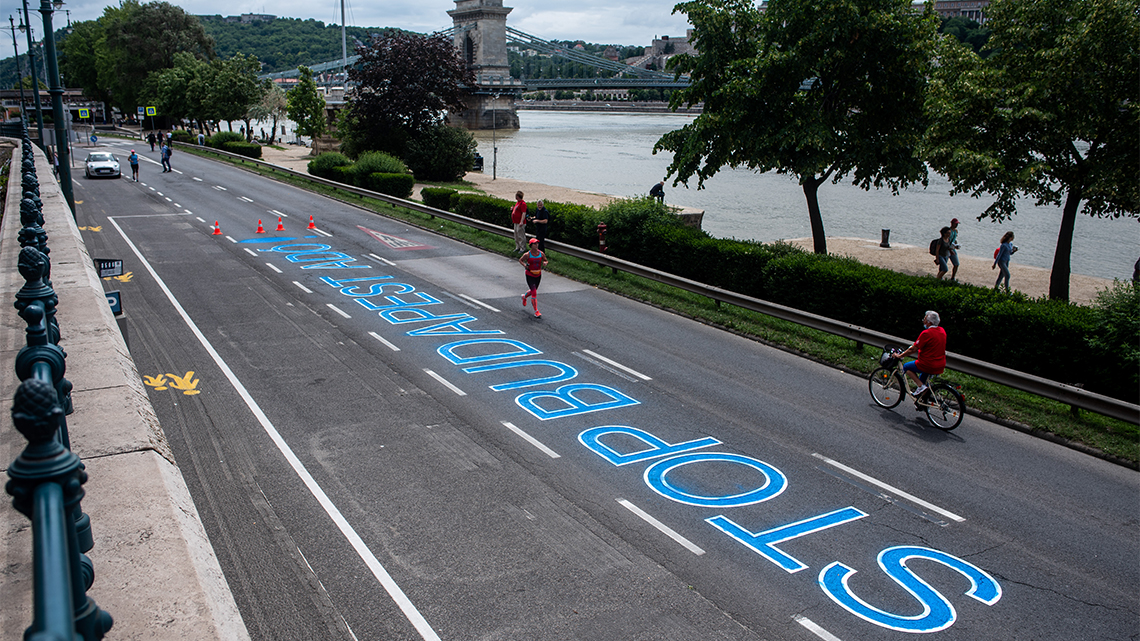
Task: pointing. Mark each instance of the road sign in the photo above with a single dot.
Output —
(84, 114)
(108, 267)
(94, 138)
(115, 301)
(151, 111)
(140, 111)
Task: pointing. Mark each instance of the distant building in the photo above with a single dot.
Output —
(247, 18)
(969, 9)
(663, 48)
(610, 54)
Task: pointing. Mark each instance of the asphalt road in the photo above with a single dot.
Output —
(383, 444)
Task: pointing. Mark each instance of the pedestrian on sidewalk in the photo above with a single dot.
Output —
(518, 219)
(1001, 259)
(533, 262)
(954, 247)
(165, 157)
(134, 160)
(540, 218)
(943, 253)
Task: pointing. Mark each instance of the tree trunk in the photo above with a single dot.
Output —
(1059, 277)
(811, 185)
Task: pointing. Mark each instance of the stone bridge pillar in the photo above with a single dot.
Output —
(481, 37)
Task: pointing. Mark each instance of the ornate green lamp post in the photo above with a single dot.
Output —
(62, 151)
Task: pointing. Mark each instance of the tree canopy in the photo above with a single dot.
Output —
(406, 84)
(306, 106)
(819, 89)
(1053, 114)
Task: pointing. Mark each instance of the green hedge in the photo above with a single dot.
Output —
(324, 165)
(181, 135)
(220, 138)
(398, 185)
(438, 197)
(252, 150)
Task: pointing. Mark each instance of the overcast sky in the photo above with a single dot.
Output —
(626, 22)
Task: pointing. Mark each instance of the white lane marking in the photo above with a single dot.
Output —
(382, 340)
(168, 199)
(248, 200)
(274, 268)
(383, 260)
(231, 239)
(460, 300)
(413, 615)
(446, 383)
(303, 288)
(176, 171)
(274, 211)
(220, 188)
(250, 251)
(618, 365)
(197, 178)
(814, 628)
(337, 310)
(323, 232)
(479, 302)
(890, 488)
(665, 529)
(532, 440)
(158, 192)
(201, 221)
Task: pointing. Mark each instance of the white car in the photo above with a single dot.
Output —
(101, 164)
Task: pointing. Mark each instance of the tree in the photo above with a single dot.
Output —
(168, 90)
(820, 89)
(141, 38)
(78, 61)
(271, 107)
(1053, 114)
(226, 89)
(405, 85)
(306, 106)
(443, 153)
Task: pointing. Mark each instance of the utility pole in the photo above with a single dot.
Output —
(35, 81)
(61, 118)
(19, 76)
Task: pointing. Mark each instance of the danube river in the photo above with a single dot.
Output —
(612, 154)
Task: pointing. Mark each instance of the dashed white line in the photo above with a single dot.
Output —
(274, 268)
(197, 178)
(248, 200)
(323, 232)
(231, 239)
(274, 211)
(665, 529)
(202, 221)
(187, 211)
(383, 260)
(890, 488)
(337, 310)
(532, 440)
(814, 628)
(617, 365)
(383, 340)
(220, 188)
(303, 288)
(249, 251)
(479, 302)
(446, 383)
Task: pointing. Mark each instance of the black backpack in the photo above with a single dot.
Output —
(934, 246)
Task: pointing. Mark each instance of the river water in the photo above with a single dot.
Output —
(612, 154)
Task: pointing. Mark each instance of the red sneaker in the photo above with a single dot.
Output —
(537, 314)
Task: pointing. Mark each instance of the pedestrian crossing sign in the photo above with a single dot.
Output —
(84, 114)
(151, 111)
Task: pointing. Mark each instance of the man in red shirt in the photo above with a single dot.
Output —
(518, 219)
(931, 348)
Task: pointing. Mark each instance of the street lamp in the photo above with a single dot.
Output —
(494, 139)
(19, 76)
(27, 28)
(62, 153)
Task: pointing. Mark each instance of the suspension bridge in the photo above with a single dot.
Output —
(483, 38)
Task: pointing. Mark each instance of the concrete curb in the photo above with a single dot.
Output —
(155, 570)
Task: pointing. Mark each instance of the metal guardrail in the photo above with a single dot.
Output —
(1043, 387)
(47, 477)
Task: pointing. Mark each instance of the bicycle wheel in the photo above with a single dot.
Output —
(886, 387)
(947, 407)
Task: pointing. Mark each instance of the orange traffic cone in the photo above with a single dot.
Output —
(217, 230)
(280, 227)
(260, 229)
(312, 225)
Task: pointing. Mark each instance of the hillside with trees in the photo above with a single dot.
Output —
(282, 44)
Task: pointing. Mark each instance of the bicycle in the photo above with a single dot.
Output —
(943, 403)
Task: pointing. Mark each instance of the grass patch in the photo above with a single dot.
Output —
(1117, 439)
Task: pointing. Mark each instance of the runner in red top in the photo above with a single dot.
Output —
(931, 349)
(534, 262)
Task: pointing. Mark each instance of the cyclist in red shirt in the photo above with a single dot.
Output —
(931, 349)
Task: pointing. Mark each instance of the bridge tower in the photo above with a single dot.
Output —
(481, 37)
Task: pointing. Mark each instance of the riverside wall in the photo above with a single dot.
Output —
(155, 571)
